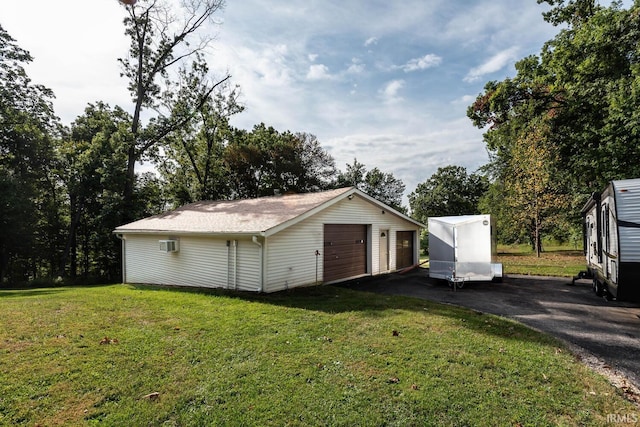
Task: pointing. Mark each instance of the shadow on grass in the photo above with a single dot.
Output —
(336, 299)
(14, 293)
(37, 291)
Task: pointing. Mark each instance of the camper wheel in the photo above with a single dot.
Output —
(597, 287)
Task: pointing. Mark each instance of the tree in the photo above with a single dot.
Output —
(93, 170)
(264, 160)
(192, 164)
(534, 198)
(159, 42)
(382, 186)
(353, 176)
(596, 63)
(27, 128)
(448, 192)
(317, 167)
(572, 12)
(385, 187)
(584, 86)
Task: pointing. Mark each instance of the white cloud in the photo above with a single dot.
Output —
(390, 91)
(370, 41)
(422, 63)
(465, 100)
(493, 64)
(279, 52)
(410, 154)
(269, 64)
(356, 67)
(318, 72)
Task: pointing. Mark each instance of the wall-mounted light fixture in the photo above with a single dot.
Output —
(350, 197)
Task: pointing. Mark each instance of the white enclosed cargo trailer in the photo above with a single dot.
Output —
(463, 248)
(611, 221)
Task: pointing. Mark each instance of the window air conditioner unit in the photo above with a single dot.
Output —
(169, 245)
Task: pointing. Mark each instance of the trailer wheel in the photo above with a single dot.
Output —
(598, 289)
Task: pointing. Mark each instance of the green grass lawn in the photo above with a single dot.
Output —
(315, 356)
(559, 261)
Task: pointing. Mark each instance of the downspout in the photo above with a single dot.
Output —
(228, 261)
(254, 239)
(124, 259)
(235, 265)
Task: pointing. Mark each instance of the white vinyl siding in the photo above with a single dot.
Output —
(201, 261)
(628, 209)
(290, 254)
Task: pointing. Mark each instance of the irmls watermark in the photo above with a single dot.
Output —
(622, 418)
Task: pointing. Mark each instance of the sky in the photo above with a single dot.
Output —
(386, 82)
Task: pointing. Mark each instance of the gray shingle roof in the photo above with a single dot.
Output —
(233, 216)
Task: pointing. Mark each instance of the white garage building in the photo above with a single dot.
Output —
(270, 243)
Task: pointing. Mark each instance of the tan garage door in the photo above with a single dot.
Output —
(345, 251)
(404, 249)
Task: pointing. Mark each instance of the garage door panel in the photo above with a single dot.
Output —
(345, 262)
(404, 249)
(345, 251)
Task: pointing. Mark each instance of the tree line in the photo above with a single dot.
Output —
(567, 123)
(564, 126)
(63, 189)
(561, 128)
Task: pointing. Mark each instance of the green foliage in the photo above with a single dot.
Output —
(27, 127)
(382, 186)
(583, 87)
(572, 12)
(265, 160)
(124, 355)
(160, 38)
(191, 163)
(535, 199)
(448, 192)
(596, 65)
(93, 171)
(353, 176)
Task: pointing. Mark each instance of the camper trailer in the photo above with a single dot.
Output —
(611, 223)
(463, 248)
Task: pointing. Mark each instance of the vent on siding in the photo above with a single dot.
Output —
(169, 245)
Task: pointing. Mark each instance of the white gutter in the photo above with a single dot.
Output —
(254, 239)
(188, 233)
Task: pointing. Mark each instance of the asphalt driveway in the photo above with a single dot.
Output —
(608, 330)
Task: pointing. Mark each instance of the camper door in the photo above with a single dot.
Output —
(591, 241)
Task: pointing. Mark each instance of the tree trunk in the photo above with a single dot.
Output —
(127, 196)
(4, 263)
(71, 250)
(537, 237)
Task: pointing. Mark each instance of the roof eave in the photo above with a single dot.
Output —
(190, 233)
